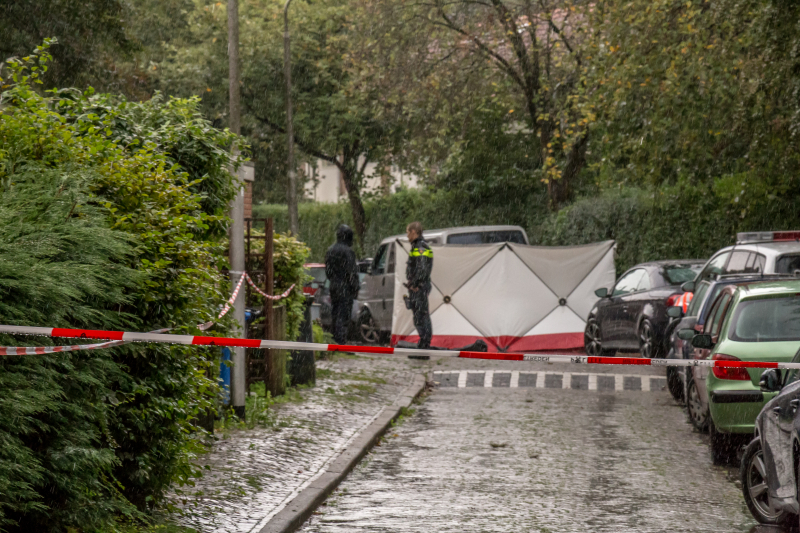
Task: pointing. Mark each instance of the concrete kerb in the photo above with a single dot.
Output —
(291, 517)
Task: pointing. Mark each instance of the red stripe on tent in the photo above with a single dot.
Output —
(362, 349)
(548, 342)
(496, 356)
(617, 361)
(451, 342)
(86, 334)
(744, 364)
(555, 342)
(224, 341)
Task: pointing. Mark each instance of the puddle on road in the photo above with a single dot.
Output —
(621, 462)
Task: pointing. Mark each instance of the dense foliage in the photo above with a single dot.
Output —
(288, 257)
(112, 219)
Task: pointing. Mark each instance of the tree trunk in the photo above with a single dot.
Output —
(560, 190)
(356, 205)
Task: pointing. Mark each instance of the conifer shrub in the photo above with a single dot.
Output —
(111, 217)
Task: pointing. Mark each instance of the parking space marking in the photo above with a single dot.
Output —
(527, 379)
(548, 380)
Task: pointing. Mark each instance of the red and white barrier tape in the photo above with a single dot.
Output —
(232, 299)
(206, 325)
(41, 350)
(264, 294)
(288, 345)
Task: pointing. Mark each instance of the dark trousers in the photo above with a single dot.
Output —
(341, 309)
(422, 316)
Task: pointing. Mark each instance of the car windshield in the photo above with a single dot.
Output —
(787, 264)
(766, 320)
(698, 299)
(677, 274)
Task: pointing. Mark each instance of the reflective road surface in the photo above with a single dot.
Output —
(543, 459)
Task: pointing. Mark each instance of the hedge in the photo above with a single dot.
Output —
(111, 217)
(678, 222)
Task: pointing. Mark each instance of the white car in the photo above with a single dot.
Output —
(761, 252)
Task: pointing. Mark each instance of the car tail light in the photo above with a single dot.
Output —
(672, 299)
(720, 372)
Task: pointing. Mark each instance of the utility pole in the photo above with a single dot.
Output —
(294, 225)
(239, 373)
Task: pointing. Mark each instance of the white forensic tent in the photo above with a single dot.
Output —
(513, 296)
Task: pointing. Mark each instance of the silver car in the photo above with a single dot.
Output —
(376, 297)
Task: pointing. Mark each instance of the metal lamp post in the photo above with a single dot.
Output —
(287, 69)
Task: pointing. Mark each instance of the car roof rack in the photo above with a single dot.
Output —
(756, 276)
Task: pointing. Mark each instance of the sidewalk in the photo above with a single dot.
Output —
(253, 474)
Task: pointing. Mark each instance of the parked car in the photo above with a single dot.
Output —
(768, 469)
(633, 314)
(706, 292)
(316, 271)
(752, 322)
(764, 252)
(376, 299)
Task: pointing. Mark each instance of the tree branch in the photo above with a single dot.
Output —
(303, 146)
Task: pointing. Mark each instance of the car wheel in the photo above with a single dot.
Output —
(648, 345)
(591, 340)
(753, 475)
(723, 445)
(674, 383)
(369, 330)
(698, 414)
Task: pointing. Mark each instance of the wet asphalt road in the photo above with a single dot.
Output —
(488, 459)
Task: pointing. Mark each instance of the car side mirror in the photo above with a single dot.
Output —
(601, 293)
(675, 311)
(686, 334)
(702, 341)
(770, 380)
(688, 286)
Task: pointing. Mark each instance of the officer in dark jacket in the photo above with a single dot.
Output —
(418, 273)
(342, 272)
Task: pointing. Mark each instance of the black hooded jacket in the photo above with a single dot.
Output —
(340, 265)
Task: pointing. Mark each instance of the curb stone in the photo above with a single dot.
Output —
(297, 511)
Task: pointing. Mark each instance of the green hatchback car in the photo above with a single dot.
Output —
(753, 322)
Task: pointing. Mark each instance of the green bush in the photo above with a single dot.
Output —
(288, 257)
(101, 228)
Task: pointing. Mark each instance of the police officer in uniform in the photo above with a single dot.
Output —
(418, 273)
(341, 269)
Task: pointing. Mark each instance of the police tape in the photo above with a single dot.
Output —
(207, 325)
(264, 294)
(41, 350)
(194, 340)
